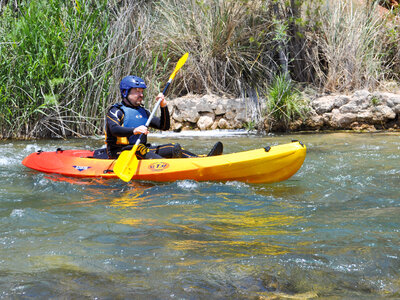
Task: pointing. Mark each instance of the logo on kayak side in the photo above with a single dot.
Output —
(158, 166)
(81, 168)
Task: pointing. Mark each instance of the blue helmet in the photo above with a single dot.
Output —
(129, 82)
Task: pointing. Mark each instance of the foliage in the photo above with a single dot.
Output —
(49, 55)
(250, 125)
(284, 102)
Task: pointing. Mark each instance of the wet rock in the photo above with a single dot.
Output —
(223, 124)
(295, 125)
(176, 126)
(315, 122)
(362, 127)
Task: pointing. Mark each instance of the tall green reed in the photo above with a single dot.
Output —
(50, 58)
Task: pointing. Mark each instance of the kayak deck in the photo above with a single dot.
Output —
(264, 165)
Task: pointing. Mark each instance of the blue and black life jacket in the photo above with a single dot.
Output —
(133, 117)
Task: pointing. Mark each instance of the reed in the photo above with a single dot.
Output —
(230, 42)
(350, 43)
(51, 58)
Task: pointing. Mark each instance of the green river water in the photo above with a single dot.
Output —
(332, 231)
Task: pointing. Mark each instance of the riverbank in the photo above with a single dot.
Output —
(64, 87)
(359, 111)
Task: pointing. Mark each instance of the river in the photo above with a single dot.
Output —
(330, 231)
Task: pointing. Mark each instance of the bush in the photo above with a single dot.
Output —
(284, 102)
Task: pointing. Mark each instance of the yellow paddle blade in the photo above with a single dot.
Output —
(126, 164)
(179, 65)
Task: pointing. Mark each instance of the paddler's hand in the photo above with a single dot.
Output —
(141, 129)
(163, 102)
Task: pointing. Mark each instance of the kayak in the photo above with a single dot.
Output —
(264, 165)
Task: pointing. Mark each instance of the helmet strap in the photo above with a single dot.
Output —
(125, 93)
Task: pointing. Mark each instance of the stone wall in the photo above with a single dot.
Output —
(361, 110)
(208, 112)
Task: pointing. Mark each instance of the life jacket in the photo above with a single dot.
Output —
(133, 117)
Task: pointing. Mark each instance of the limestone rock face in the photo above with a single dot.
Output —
(359, 111)
(209, 112)
(327, 103)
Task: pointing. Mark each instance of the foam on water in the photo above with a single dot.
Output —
(17, 213)
(4, 161)
(187, 185)
(205, 133)
(32, 148)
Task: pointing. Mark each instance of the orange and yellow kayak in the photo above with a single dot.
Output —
(264, 165)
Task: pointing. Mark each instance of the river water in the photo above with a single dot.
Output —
(331, 231)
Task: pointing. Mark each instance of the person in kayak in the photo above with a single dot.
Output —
(125, 122)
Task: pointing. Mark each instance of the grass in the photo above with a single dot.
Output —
(230, 42)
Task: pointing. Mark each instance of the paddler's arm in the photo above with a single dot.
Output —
(162, 122)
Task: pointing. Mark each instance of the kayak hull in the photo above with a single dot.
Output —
(264, 165)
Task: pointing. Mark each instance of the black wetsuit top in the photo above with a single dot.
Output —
(114, 127)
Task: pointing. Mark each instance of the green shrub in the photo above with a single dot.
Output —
(284, 102)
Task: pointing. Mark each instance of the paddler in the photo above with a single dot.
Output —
(125, 122)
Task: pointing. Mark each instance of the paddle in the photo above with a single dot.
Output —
(127, 163)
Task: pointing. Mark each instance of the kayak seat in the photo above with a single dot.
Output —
(100, 153)
(217, 149)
